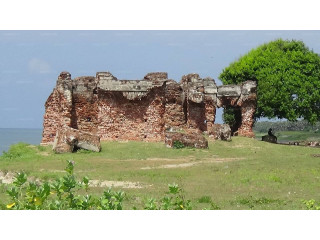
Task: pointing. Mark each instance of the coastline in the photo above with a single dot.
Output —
(10, 136)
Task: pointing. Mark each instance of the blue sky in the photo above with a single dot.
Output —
(30, 61)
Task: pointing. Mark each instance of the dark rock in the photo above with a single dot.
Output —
(271, 139)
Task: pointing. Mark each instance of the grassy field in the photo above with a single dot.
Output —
(241, 174)
(288, 136)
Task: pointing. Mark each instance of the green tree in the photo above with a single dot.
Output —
(288, 79)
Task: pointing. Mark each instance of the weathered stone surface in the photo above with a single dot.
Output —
(220, 132)
(67, 139)
(156, 76)
(229, 91)
(143, 109)
(271, 139)
(187, 139)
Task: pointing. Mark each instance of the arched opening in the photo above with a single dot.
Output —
(232, 116)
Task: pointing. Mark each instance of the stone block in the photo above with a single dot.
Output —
(68, 139)
(156, 76)
(270, 139)
(220, 132)
(187, 139)
(229, 91)
(249, 87)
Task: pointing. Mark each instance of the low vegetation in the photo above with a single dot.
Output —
(65, 194)
(301, 126)
(241, 174)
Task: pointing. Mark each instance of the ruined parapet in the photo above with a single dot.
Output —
(154, 76)
(131, 89)
(131, 109)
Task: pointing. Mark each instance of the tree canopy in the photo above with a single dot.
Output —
(288, 79)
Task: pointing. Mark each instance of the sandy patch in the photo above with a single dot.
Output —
(169, 159)
(62, 171)
(8, 177)
(245, 146)
(190, 164)
(122, 184)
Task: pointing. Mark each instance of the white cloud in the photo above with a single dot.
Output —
(36, 65)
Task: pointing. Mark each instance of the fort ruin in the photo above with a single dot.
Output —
(144, 109)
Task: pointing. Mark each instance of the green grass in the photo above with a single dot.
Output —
(241, 174)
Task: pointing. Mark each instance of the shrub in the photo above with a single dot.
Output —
(62, 194)
(178, 145)
(175, 200)
(311, 204)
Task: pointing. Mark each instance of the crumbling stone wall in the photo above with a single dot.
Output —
(241, 96)
(142, 109)
(58, 108)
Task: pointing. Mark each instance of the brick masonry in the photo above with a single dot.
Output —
(143, 109)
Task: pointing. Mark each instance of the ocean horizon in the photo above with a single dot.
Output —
(10, 136)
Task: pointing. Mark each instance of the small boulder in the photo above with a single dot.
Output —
(313, 144)
(268, 138)
(187, 139)
(220, 132)
(68, 139)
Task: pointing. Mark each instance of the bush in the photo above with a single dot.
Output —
(175, 200)
(18, 150)
(178, 145)
(62, 194)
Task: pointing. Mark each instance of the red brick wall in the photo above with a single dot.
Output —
(57, 114)
(124, 113)
(123, 119)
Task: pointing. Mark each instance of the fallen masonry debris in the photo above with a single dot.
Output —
(186, 139)
(220, 132)
(68, 139)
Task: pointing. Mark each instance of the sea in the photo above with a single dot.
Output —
(9, 136)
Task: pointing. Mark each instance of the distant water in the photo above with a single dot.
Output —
(9, 136)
